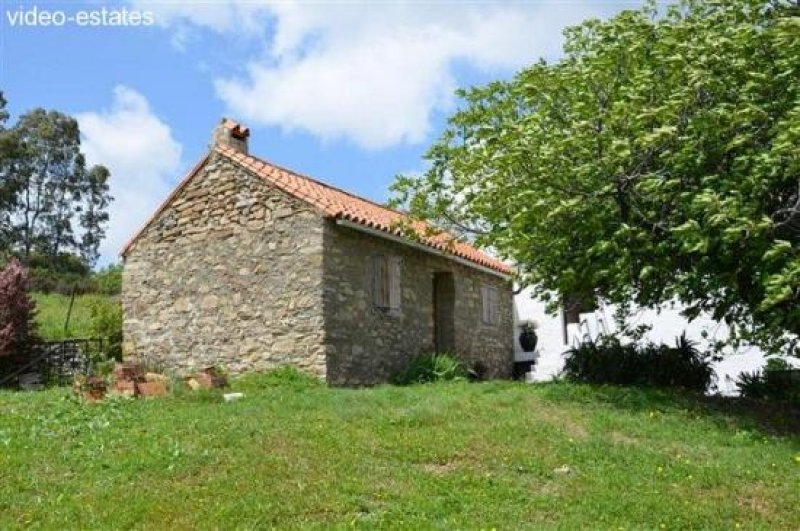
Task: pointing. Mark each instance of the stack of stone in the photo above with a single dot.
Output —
(130, 379)
(208, 378)
(126, 375)
(91, 389)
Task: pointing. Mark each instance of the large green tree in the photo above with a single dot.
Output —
(658, 160)
(56, 205)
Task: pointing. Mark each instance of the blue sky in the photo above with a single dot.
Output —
(349, 92)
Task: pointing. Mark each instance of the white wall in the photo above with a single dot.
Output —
(667, 325)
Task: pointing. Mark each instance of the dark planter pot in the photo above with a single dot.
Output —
(523, 367)
(528, 341)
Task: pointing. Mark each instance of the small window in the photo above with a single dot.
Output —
(489, 299)
(385, 282)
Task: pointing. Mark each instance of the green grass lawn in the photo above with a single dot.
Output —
(446, 456)
(52, 314)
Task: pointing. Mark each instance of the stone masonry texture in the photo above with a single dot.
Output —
(229, 274)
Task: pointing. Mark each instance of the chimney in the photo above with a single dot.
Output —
(230, 134)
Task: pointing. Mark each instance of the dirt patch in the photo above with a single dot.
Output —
(755, 501)
(573, 427)
(617, 437)
(439, 469)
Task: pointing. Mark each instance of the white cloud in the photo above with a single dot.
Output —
(375, 96)
(372, 73)
(142, 155)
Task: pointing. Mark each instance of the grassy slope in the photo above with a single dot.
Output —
(52, 313)
(439, 456)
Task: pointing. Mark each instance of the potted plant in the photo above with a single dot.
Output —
(91, 389)
(527, 336)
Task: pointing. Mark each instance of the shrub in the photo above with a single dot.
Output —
(46, 280)
(17, 310)
(609, 361)
(106, 324)
(109, 280)
(103, 367)
(63, 263)
(773, 382)
(428, 368)
(65, 273)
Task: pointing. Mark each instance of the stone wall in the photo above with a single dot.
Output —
(229, 274)
(366, 345)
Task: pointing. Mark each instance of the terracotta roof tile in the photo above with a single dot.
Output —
(343, 205)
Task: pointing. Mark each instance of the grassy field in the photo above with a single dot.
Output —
(494, 455)
(52, 314)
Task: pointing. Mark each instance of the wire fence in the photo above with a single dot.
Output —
(54, 363)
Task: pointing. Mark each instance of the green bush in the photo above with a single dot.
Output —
(45, 280)
(427, 368)
(63, 263)
(103, 367)
(63, 274)
(108, 280)
(609, 361)
(773, 382)
(106, 324)
(68, 273)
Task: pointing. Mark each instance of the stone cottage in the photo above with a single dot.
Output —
(248, 266)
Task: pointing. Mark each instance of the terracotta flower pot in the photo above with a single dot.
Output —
(151, 388)
(93, 389)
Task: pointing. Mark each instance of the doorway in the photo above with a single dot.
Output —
(444, 298)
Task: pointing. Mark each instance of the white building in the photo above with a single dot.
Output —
(666, 326)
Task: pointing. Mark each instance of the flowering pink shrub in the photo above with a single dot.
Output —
(17, 309)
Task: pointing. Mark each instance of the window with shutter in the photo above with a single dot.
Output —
(385, 275)
(395, 294)
(489, 299)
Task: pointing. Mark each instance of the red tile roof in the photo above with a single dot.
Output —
(338, 204)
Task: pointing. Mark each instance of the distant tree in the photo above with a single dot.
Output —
(17, 311)
(657, 161)
(94, 217)
(8, 147)
(3, 111)
(59, 205)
